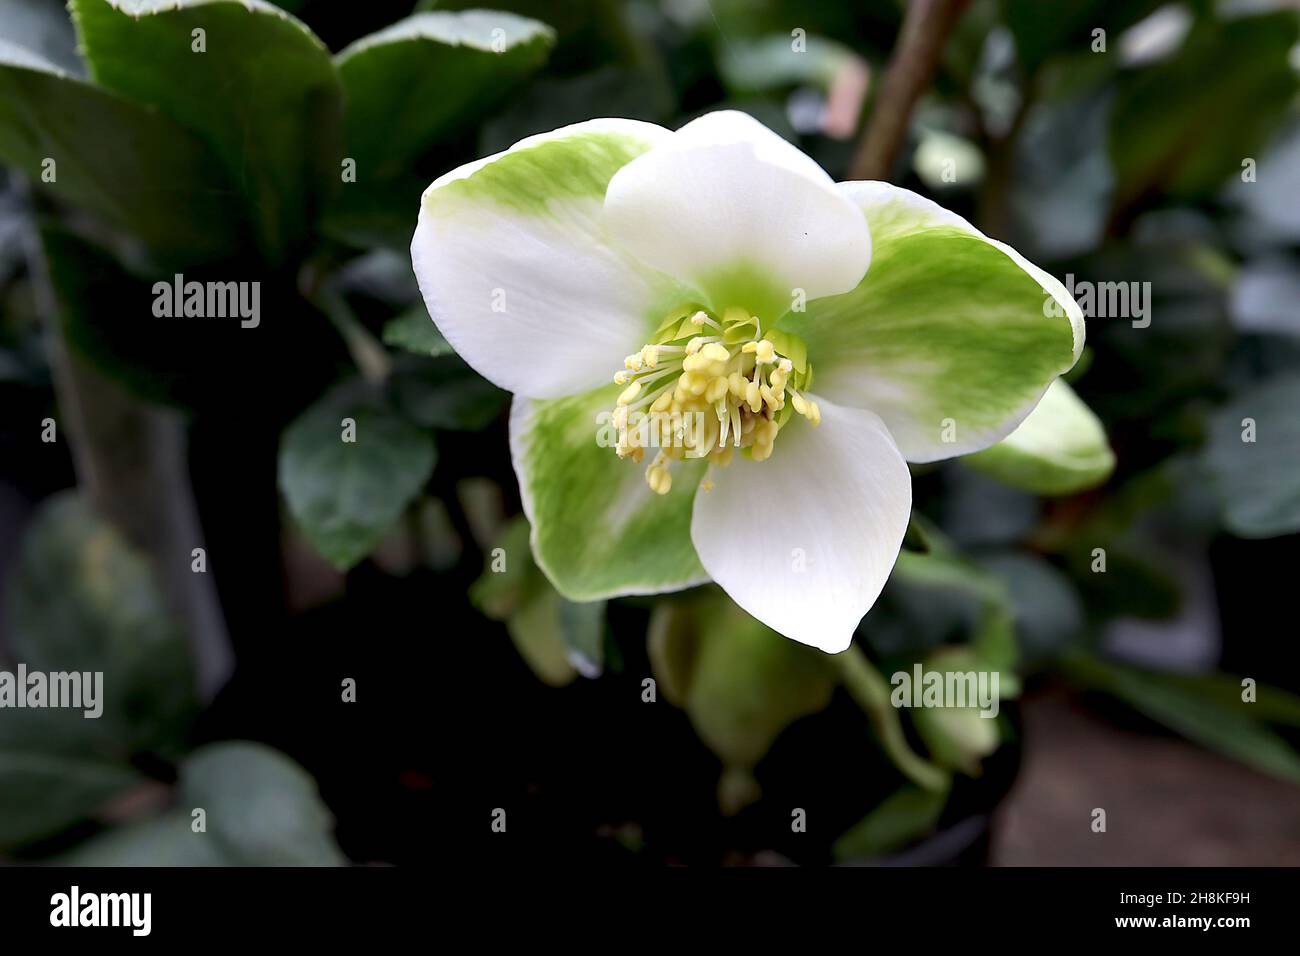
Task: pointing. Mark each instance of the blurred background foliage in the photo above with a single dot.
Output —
(1141, 142)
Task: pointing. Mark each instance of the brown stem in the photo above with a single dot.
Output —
(131, 463)
(926, 26)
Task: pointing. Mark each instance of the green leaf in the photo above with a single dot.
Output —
(346, 495)
(1258, 482)
(43, 792)
(740, 682)
(264, 94)
(1059, 449)
(944, 582)
(958, 737)
(1182, 126)
(1228, 726)
(901, 818)
(261, 809)
(509, 574)
(82, 600)
(550, 102)
(446, 393)
(1049, 615)
(1042, 30)
(115, 159)
(558, 638)
(1272, 704)
(153, 357)
(535, 630)
(582, 626)
(415, 84)
(414, 331)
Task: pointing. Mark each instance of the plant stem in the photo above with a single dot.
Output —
(871, 691)
(925, 30)
(370, 356)
(130, 458)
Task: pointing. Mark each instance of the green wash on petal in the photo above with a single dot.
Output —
(598, 529)
(527, 180)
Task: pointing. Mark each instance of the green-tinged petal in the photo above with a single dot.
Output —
(598, 529)
(951, 338)
(518, 270)
(1059, 449)
(742, 214)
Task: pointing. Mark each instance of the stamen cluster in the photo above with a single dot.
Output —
(726, 377)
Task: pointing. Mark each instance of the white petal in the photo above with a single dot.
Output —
(743, 215)
(519, 273)
(805, 540)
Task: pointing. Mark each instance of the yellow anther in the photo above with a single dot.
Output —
(715, 352)
(706, 485)
(735, 398)
(658, 477)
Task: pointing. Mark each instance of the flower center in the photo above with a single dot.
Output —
(706, 387)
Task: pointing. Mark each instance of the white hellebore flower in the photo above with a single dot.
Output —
(727, 267)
